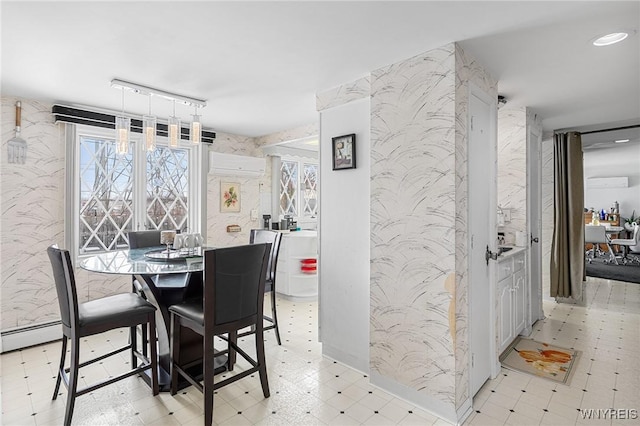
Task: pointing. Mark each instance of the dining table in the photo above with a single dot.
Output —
(146, 266)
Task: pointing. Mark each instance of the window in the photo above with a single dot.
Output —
(141, 190)
(298, 188)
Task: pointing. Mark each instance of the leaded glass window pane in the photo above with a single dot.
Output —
(167, 189)
(106, 196)
(289, 188)
(309, 189)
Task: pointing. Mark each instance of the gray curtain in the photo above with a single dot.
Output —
(567, 249)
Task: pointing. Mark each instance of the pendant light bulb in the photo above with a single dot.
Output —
(196, 128)
(149, 124)
(122, 131)
(174, 128)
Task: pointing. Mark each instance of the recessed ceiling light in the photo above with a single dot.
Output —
(608, 39)
(622, 140)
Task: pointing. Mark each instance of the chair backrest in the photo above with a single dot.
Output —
(595, 234)
(636, 234)
(234, 283)
(261, 236)
(140, 239)
(65, 282)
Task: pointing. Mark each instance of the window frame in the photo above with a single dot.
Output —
(301, 161)
(73, 134)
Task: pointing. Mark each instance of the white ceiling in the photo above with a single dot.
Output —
(259, 64)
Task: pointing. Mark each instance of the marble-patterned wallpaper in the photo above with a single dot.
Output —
(32, 200)
(250, 190)
(288, 135)
(419, 108)
(512, 168)
(344, 93)
(413, 180)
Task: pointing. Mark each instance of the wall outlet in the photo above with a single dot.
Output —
(507, 215)
(254, 214)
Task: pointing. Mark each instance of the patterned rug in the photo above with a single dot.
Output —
(540, 359)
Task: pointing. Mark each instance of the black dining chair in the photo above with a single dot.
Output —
(261, 236)
(95, 317)
(143, 239)
(233, 299)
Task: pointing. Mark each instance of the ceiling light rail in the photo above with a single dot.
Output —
(146, 90)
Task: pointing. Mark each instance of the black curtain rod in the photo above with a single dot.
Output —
(610, 130)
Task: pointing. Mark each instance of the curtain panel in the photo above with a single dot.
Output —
(567, 249)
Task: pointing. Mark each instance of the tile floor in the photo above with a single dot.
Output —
(607, 331)
(308, 389)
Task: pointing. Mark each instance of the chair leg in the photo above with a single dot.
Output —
(153, 348)
(231, 355)
(262, 365)
(175, 352)
(133, 338)
(208, 373)
(63, 355)
(73, 379)
(274, 315)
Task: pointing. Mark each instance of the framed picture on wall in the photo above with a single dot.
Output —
(344, 152)
(229, 197)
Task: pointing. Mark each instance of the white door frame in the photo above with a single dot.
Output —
(493, 243)
(534, 230)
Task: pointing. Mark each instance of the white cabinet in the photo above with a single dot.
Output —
(293, 278)
(512, 298)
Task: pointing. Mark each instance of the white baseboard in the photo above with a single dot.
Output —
(29, 336)
(426, 402)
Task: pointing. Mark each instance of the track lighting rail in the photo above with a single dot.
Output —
(146, 90)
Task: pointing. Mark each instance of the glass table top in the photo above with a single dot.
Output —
(148, 260)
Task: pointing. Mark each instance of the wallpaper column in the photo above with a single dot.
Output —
(419, 308)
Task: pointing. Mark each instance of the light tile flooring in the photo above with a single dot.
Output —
(607, 331)
(308, 389)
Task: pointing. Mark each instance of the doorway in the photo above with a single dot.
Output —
(482, 208)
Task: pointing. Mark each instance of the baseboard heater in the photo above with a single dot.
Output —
(23, 337)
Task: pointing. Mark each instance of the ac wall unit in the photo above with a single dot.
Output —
(610, 182)
(236, 165)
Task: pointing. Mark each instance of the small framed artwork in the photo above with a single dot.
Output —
(229, 197)
(344, 152)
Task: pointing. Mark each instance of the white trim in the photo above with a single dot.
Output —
(30, 336)
(425, 402)
(474, 90)
(197, 181)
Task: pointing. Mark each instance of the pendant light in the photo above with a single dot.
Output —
(149, 123)
(122, 131)
(174, 128)
(196, 128)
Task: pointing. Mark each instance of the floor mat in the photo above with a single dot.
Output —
(540, 359)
